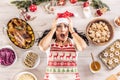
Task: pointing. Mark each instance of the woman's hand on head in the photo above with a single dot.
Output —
(54, 25)
(70, 25)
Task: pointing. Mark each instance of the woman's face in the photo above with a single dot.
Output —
(62, 32)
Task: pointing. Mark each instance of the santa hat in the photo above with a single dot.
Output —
(63, 17)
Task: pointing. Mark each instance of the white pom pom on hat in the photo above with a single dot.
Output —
(62, 20)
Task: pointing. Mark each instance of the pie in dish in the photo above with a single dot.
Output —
(20, 33)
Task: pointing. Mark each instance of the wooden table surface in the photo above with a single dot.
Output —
(42, 22)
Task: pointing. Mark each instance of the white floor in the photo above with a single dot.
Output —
(43, 22)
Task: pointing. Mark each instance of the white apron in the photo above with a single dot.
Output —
(62, 63)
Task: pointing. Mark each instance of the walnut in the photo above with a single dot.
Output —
(99, 32)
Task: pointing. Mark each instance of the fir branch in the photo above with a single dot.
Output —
(99, 4)
(21, 4)
(26, 3)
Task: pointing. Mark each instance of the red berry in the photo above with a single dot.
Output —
(86, 4)
(73, 1)
(28, 17)
(99, 12)
(33, 8)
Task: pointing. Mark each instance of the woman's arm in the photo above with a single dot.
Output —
(45, 42)
(79, 42)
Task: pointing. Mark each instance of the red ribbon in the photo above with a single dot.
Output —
(65, 14)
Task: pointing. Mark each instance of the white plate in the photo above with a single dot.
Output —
(10, 47)
(22, 73)
(36, 63)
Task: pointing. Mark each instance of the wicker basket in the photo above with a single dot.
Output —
(110, 27)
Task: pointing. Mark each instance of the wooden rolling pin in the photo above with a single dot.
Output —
(113, 76)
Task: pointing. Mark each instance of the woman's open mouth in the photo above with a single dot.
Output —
(62, 35)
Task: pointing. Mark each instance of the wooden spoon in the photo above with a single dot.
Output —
(94, 61)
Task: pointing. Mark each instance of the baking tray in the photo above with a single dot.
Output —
(111, 55)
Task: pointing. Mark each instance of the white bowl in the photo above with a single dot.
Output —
(24, 73)
(115, 21)
(9, 47)
(37, 60)
(93, 71)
